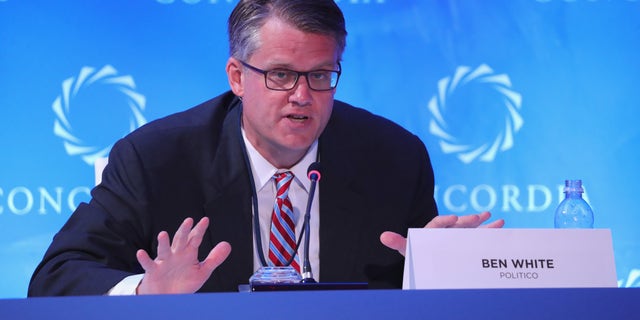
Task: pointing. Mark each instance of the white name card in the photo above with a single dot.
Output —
(509, 258)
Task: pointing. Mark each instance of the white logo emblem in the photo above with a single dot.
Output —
(90, 100)
(475, 114)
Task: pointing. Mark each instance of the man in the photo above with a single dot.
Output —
(215, 163)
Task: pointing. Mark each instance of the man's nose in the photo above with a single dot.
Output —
(301, 92)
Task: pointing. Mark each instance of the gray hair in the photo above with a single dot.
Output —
(311, 16)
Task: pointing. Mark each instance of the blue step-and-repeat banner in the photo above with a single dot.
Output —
(511, 97)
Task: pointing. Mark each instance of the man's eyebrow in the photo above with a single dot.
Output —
(324, 66)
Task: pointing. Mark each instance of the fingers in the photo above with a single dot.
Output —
(164, 247)
(394, 241)
(185, 236)
(180, 239)
(145, 260)
(474, 220)
(447, 221)
(494, 224)
(217, 256)
(468, 221)
(196, 234)
(484, 216)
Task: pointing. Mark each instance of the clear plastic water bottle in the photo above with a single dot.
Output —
(573, 211)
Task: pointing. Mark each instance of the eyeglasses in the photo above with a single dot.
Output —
(285, 79)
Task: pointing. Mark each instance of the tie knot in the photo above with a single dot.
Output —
(283, 181)
(287, 175)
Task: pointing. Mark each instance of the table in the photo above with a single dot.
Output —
(582, 303)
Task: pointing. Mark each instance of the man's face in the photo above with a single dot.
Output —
(282, 125)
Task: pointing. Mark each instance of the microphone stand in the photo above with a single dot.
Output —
(307, 274)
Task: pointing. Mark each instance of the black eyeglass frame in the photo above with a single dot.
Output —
(298, 75)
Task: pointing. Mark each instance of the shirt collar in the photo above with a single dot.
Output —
(263, 170)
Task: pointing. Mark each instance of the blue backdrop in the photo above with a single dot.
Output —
(511, 97)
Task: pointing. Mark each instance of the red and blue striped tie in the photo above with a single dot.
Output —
(282, 241)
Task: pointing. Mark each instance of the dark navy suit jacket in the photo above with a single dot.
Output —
(376, 177)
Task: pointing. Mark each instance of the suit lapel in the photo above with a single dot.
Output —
(228, 206)
(342, 210)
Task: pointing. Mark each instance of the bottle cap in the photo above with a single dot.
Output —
(573, 186)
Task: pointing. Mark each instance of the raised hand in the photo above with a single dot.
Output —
(176, 269)
(398, 242)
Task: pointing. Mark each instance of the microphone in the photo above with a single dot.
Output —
(313, 172)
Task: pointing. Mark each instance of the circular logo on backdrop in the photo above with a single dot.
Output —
(475, 114)
(94, 109)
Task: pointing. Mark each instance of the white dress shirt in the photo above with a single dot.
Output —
(263, 172)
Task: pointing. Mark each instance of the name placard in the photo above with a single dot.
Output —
(509, 258)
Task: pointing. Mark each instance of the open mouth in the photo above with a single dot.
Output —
(297, 117)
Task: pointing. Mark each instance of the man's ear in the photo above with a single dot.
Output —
(235, 76)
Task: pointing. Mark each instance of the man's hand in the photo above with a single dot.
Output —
(176, 269)
(399, 243)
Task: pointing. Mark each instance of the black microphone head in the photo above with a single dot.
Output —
(313, 172)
